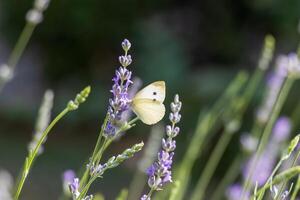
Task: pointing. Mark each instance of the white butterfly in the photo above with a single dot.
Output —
(148, 105)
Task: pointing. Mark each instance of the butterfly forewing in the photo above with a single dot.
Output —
(149, 111)
(155, 91)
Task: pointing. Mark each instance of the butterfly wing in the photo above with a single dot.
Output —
(155, 91)
(149, 111)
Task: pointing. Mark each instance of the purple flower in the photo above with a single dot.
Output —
(263, 168)
(234, 192)
(74, 187)
(151, 170)
(119, 103)
(126, 45)
(145, 197)
(282, 129)
(274, 85)
(67, 178)
(266, 161)
(160, 172)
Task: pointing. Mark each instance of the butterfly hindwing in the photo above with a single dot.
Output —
(149, 111)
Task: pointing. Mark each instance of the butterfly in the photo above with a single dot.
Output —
(148, 105)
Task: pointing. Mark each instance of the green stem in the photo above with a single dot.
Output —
(85, 176)
(267, 131)
(86, 188)
(293, 165)
(261, 195)
(97, 156)
(296, 189)
(21, 44)
(150, 194)
(32, 155)
(283, 176)
(19, 49)
(211, 166)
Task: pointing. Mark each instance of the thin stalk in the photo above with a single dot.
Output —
(19, 49)
(283, 176)
(296, 189)
(32, 155)
(95, 151)
(99, 154)
(150, 194)
(211, 166)
(293, 165)
(267, 131)
(261, 195)
(21, 44)
(86, 187)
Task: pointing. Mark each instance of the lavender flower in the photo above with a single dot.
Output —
(43, 120)
(275, 193)
(234, 192)
(67, 178)
(293, 64)
(160, 172)
(145, 197)
(274, 85)
(6, 185)
(282, 129)
(74, 188)
(119, 103)
(268, 158)
(35, 15)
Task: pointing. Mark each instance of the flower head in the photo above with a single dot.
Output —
(274, 84)
(74, 188)
(160, 173)
(119, 103)
(234, 192)
(282, 128)
(67, 178)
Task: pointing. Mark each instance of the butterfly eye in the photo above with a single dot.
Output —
(154, 93)
(154, 99)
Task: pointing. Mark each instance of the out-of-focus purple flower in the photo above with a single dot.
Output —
(119, 103)
(67, 178)
(263, 169)
(160, 172)
(282, 129)
(293, 64)
(234, 192)
(268, 158)
(274, 85)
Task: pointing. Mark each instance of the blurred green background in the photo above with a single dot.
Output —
(195, 46)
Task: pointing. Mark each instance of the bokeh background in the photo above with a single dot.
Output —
(195, 46)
